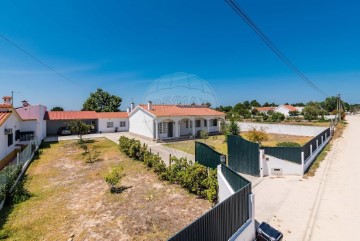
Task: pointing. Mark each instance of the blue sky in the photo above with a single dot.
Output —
(123, 46)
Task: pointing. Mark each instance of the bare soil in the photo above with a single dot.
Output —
(72, 200)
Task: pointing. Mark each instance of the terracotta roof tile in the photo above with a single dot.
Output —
(5, 106)
(182, 110)
(105, 115)
(290, 107)
(4, 116)
(265, 108)
(70, 115)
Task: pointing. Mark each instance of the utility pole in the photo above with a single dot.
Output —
(339, 107)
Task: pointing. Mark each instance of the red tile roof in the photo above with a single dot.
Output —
(4, 116)
(182, 110)
(290, 107)
(70, 115)
(5, 106)
(106, 115)
(265, 108)
(83, 115)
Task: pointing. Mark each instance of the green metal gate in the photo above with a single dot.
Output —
(206, 156)
(243, 156)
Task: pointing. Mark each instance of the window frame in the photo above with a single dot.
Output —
(110, 124)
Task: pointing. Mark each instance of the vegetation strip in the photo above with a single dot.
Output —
(195, 177)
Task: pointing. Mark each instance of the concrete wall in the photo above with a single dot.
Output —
(225, 190)
(297, 130)
(104, 129)
(270, 163)
(141, 123)
(14, 123)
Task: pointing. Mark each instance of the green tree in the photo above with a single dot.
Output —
(247, 105)
(294, 113)
(241, 110)
(330, 104)
(57, 108)
(312, 111)
(80, 128)
(254, 103)
(102, 101)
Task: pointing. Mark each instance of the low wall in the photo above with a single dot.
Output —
(273, 166)
(225, 190)
(296, 130)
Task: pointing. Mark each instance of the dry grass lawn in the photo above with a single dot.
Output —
(71, 198)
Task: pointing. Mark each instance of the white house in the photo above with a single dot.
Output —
(113, 121)
(285, 109)
(99, 122)
(15, 132)
(159, 122)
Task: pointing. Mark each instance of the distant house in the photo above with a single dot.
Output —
(160, 122)
(265, 110)
(285, 109)
(99, 122)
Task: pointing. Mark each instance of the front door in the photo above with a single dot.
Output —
(170, 129)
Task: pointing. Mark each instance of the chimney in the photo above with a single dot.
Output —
(25, 103)
(149, 107)
(7, 100)
(132, 106)
(128, 110)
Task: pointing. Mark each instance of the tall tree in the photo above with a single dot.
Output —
(312, 111)
(254, 103)
(247, 104)
(102, 101)
(57, 108)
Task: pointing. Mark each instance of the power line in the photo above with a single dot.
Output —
(39, 61)
(272, 47)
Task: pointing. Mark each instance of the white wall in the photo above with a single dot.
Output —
(286, 167)
(34, 112)
(297, 130)
(225, 189)
(13, 122)
(116, 123)
(281, 109)
(141, 123)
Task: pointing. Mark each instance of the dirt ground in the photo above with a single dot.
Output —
(72, 200)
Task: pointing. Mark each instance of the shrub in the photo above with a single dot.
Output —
(114, 176)
(8, 177)
(288, 144)
(196, 178)
(256, 135)
(203, 134)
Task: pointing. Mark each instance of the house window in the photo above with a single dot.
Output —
(10, 139)
(17, 135)
(109, 124)
(198, 123)
(205, 123)
(26, 136)
(122, 123)
(187, 124)
(215, 122)
(163, 127)
(191, 123)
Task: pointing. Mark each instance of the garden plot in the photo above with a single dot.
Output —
(72, 200)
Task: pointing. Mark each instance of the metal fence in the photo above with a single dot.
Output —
(221, 222)
(243, 155)
(315, 142)
(292, 154)
(207, 156)
(234, 179)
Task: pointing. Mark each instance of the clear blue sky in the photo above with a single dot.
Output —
(123, 46)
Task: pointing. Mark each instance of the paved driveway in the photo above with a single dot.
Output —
(159, 148)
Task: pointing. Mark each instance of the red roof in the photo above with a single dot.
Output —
(105, 115)
(290, 107)
(83, 115)
(4, 116)
(265, 108)
(182, 110)
(70, 115)
(5, 106)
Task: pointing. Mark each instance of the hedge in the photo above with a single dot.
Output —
(196, 178)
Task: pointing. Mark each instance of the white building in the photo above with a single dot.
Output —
(16, 132)
(113, 121)
(285, 109)
(160, 122)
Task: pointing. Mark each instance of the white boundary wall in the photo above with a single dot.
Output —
(225, 189)
(296, 130)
